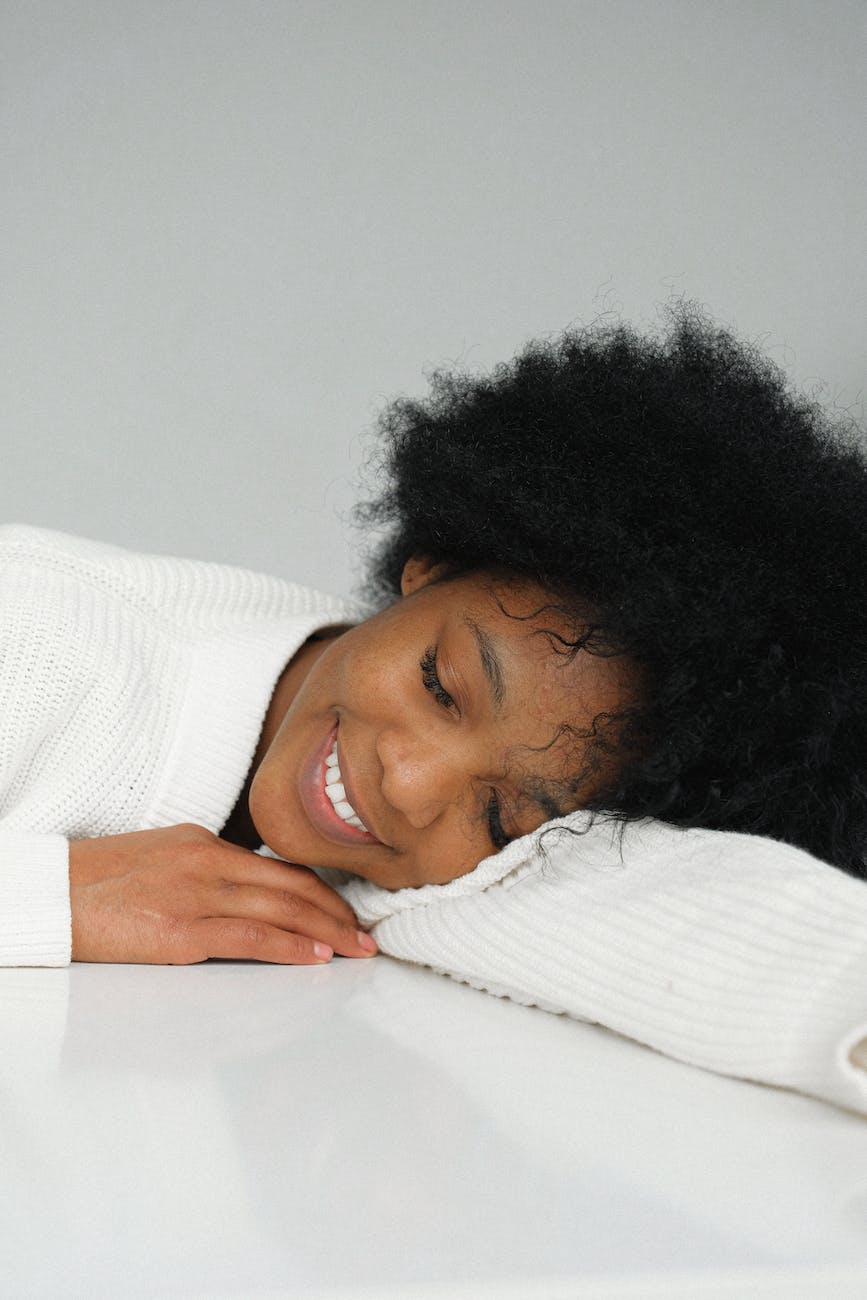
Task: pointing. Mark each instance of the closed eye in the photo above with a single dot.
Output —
(499, 837)
(431, 680)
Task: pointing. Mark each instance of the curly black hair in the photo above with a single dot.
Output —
(712, 520)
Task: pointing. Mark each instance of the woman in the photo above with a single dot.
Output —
(622, 574)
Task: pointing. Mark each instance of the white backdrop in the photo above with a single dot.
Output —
(232, 229)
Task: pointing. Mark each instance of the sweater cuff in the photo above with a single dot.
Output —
(829, 1051)
(35, 915)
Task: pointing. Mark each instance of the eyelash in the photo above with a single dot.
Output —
(499, 838)
(431, 679)
(432, 684)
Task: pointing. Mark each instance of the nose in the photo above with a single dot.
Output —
(420, 777)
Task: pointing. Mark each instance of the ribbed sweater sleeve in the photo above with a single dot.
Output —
(731, 952)
(35, 924)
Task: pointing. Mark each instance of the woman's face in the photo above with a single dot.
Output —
(425, 738)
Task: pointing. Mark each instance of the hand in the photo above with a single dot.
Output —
(181, 894)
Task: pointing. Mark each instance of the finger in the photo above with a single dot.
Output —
(277, 874)
(289, 911)
(254, 941)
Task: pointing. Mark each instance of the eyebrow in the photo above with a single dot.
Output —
(535, 790)
(491, 665)
(544, 798)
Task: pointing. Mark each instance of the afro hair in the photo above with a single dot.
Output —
(713, 522)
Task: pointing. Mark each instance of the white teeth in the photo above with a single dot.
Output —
(336, 791)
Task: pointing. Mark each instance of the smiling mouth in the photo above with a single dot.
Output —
(323, 791)
(336, 792)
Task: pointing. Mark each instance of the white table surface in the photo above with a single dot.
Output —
(369, 1129)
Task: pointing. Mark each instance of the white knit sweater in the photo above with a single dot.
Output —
(735, 953)
(132, 694)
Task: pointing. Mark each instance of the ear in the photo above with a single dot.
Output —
(418, 572)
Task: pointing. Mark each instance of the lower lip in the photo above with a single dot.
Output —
(318, 806)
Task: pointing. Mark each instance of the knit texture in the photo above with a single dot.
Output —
(133, 689)
(732, 952)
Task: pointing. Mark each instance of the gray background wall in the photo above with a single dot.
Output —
(230, 229)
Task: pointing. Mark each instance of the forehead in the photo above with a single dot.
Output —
(505, 596)
(534, 654)
(551, 694)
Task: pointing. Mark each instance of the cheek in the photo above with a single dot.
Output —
(457, 846)
(377, 678)
(438, 860)
(263, 790)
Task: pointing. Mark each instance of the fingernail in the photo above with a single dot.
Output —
(323, 952)
(365, 941)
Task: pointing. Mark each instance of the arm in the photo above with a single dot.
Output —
(171, 896)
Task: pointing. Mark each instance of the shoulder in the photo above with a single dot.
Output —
(50, 548)
(192, 592)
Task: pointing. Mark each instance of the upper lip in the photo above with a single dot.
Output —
(351, 793)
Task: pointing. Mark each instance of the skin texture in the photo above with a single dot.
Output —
(180, 894)
(420, 763)
(419, 771)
